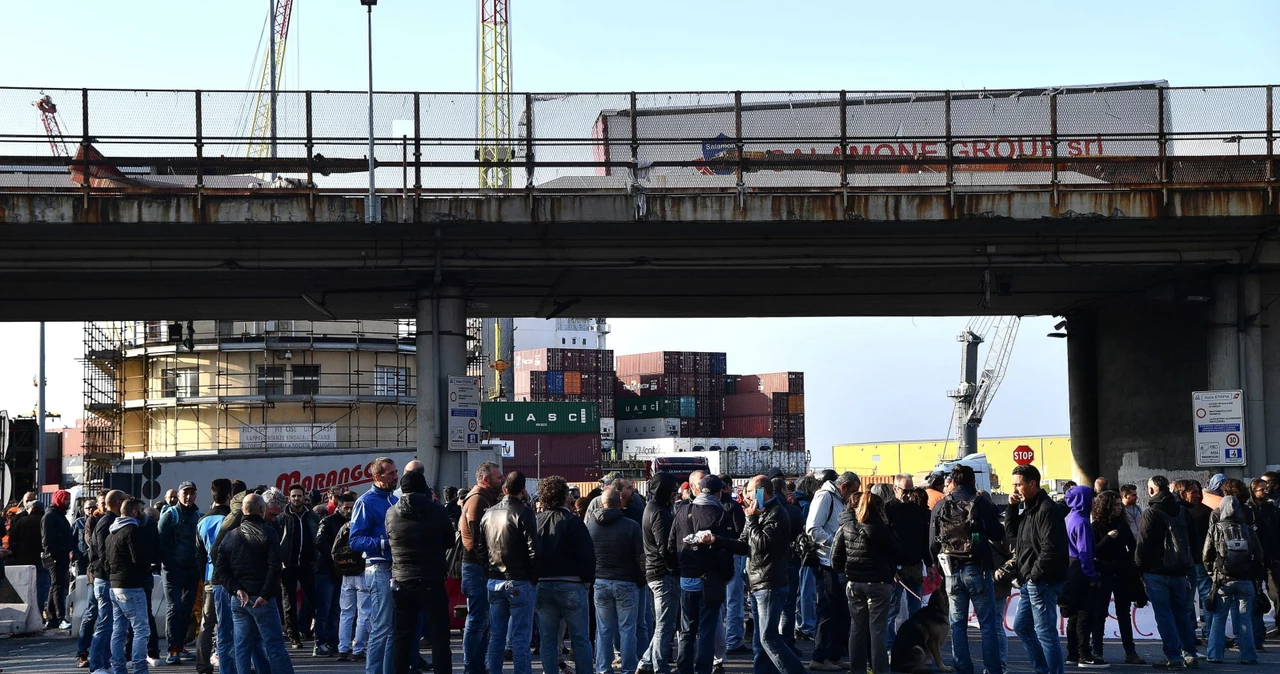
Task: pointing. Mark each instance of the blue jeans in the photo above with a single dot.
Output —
(257, 628)
(698, 625)
(43, 583)
(974, 585)
(735, 606)
(666, 611)
(100, 648)
(1200, 580)
(326, 611)
(129, 612)
(905, 600)
(770, 653)
(88, 620)
(353, 625)
(1036, 624)
(475, 634)
(833, 616)
(511, 606)
(558, 600)
(377, 580)
(226, 630)
(1170, 598)
(617, 612)
(644, 620)
(1236, 599)
(807, 601)
(787, 621)
(180, 589)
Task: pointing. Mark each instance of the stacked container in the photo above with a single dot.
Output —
(548, 438)
(682, 388)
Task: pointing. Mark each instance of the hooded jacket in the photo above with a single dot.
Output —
(178, 534)
(567, 551)
(1080, 544)
(1039, 537)
(207, 534)
(823, 519)
(509, 541)
(55, 534)
(705, 513)
(1152, 532)
(986, 524)
(619, 546)
(298, 536)
(129, 554)
(659, 556)
(419, 534)
(249, 559)
(1231, 510)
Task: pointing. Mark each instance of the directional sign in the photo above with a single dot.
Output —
(1218, 419)
(464, 414)
(1023, 455)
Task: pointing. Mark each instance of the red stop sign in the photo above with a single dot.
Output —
(1023, 455)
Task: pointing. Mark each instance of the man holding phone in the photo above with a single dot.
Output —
(768, 532)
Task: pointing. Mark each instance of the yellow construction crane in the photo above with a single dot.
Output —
(262, 126)
(495, 94)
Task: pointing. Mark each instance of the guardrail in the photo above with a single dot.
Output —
(1137, 136)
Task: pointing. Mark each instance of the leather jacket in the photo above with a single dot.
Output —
(509, 541)
(769, 535)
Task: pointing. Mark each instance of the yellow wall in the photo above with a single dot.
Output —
(1053, 456)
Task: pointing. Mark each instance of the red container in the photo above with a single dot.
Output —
(747, 427)
(781, 382)
(746, 405)
(654, 362)
(572, 449)
(569, 473)
(580, 360)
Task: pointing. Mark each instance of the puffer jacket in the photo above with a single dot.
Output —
(1039, 538)
(249, 559)
(24, 539)
(509, 541)
(618, 544)
(419, 532)
(129, 554)
(298, 536)
(178, 533)
(769, 535)
(866, 552)
(567, 550)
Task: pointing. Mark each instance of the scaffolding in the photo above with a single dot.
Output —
(170, 387)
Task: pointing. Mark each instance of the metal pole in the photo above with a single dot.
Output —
(372, 209)
(40, 448)
(271, 12)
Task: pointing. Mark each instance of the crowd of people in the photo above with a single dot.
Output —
(612, 580)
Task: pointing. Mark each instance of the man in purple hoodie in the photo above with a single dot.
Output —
(1082, 580)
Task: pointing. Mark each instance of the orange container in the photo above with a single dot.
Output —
(572, 383)
(795, 403)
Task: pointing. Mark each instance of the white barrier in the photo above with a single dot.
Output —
(23, 618)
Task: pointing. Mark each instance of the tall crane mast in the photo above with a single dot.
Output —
(262, 126)
(495, 93)
(978, 386)
(52, 128)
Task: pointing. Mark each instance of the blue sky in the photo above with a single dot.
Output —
(870, 379)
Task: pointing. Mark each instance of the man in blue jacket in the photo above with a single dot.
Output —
(183, 565)
(369, 536)
(214, 598)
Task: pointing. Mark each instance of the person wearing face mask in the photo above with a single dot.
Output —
(182, 564)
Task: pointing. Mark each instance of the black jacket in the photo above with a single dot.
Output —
(1231, 510)
(178, 532)
(298, 536)
(1197, 527)
(1266, 524)
(24, 541)
(1152, 530)
(55, 534)
(694, 561)
(326, 534)
(249, 559)
(567, 550)
(129, 555)
(419, 533)
(866, 552)
(98, 543)
(910, 524)
(986, 523)
(1039, 538)
(1113, 555)
(768, 533)
(509, 541)
(619, 546)
(659, 555)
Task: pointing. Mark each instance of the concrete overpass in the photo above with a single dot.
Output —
(1161, 254)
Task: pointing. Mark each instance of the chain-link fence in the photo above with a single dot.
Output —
(1119, 136)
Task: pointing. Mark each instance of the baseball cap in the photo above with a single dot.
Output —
(711, 484)
(186, 485)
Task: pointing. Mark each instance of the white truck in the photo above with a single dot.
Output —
(981, 470)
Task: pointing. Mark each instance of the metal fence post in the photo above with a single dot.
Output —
(844, 140)
(741, 146)
(199, 145)
(635, 142)
(84, 146)
(528, 142)
(1163, 141)
(1271, 151)
(1053, 144)
(417, 147)
(311, 153)
(951, 168)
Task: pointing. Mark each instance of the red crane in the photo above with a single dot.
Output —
(49, 117)
(102, 175)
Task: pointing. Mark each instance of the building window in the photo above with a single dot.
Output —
(306, 379)
(270, 380)
(226, 328)
(180, 382)
(391, 381)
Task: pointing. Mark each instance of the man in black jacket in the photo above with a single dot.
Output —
(327, 583)
(567, 566)
(1191, 499)
(509, 542)
(127, 562)
(248, 566)
(910, 524)
(1165, 567)
(419, 533)
(619, 549)
(58, 543)
(767, 531)
(795, 517)
(96, 652)
(962, 530)
(1038, 528)
(660, 573)
(298, 527)
(183, 566)
(702, 534)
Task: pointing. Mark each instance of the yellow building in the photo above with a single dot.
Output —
(159, 388)
(1052, 456)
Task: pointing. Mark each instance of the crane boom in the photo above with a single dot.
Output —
(262, 126)
(495, 93)
(978, 387)
(52, 128)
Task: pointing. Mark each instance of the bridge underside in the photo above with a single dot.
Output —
(670, 255)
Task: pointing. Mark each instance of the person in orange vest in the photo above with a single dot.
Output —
(935, 481)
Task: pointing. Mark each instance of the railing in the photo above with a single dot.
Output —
(1106, 137)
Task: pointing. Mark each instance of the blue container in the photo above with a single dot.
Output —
(555, 382)
(719, 363)
(688, 407)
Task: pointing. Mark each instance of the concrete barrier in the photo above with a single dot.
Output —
(23, 617)
(81, 593)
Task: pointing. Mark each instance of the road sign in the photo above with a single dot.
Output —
(1023, 455)
(464, 414)
(1218, 419)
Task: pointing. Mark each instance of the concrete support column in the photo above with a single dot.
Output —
(1252, 376)
(1082, 395)
(1224, 343)
(441, 343)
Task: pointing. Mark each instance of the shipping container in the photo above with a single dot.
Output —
(653, 407)
(688, 383)
(781, 382)
(653, 384)
(541, 417)
(747, 427)
(702, 363)
(645, 447)
(572, 383)
(746, 405)
(795, 404)
(557, 449)
(533, 472)
(719, 363)
(780, 404)
(589, 360)
(655, 362)
(630, 429)
(608, 427)
(555, 382)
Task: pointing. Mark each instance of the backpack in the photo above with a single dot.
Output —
(806, 549)
(346, 561)
(1176, 556)
(1232, 545)
(956, 531)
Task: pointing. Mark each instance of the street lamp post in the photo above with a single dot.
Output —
(372, 207)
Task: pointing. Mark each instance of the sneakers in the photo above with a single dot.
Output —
(295, 644)
(64, 625)
(359, 657)
(321, 652)
(214, 660)
(186, 654)
(344, 657)
(82, 660)
(1169, 664)
(1094, 663)
(1133, 659)
(174, 658)
(823, 666)
(1190, 662)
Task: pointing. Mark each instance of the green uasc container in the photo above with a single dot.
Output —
(539, 417)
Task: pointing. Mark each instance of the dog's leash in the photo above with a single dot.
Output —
(898, 579)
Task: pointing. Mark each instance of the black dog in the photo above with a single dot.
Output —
(923, 634)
